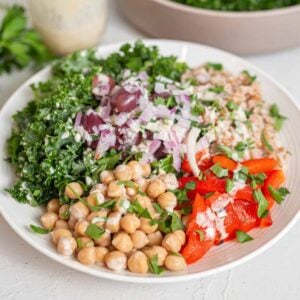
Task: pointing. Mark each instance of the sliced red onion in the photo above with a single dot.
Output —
(154, 145)
(102, 85)
(176, 159)
(159, 88)
(105, 113)
(162, 111)
(121, 118)
(191, 150)
(106, 141)
(203, 143)
(78, 119)
(143, 76)
(146, 115)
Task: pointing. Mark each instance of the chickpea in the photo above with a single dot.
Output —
(100, 187)
(113, 222)
(142, 184)
(53, 205)
(104, 240)
(95, 198)
(66, 245)
(49, 219)
(131, 192)
(72, 222)
(79, 210)
(115, 190)
(137, 169)
(87, 256)
(122, 242)
(156, 188)
(180, 235)
(130, 223)
(138, 263)
(147, 227)
(146, 170)
(139, 239)
(175, 262)
(116, 260)
(167, 201)
(73, 190)
(81, 227)
(122, 205)
(64, 213)
(84, 242)
(185, 220)
(123, 173)
(100, 254)
(171, 243)
(98, 217)
(61, 224)
(170, 181)
(107, 176)
(156, 250)
(155, 238)
(144, 201)
(58, 233)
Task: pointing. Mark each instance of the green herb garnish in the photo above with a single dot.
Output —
(277, 117)
(243, 237)
(94, 231)
(263, 203)
(229, 185)
(266, 143)
(278, 194)
(251, 78)
(219, 171)
(215, 66)
(153, 265)
(39, 230)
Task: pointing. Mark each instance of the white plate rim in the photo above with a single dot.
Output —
(136, 278)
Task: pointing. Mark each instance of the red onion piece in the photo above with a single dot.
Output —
(124, 101)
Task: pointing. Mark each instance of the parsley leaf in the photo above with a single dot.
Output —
(251, 79)
(278, 194)
(190, 185)
(153, 265)
(243, 237)
(262, 203)
(94, 231)
(277, 117)
(266, 143)
(39, 230)
(219, 171)
(215, 66)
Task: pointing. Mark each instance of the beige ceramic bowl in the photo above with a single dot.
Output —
(238, 32)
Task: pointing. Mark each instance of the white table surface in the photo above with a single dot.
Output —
(27, 274)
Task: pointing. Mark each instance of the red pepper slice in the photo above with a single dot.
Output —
(245, 194)
(275, 179)
(184, 180)
(211, 185)
(196, 249)
(246, 213)
(211, 199)
(266, 221)
(225, 162)
(261, 165)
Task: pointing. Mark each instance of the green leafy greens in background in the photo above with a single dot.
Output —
(239, 5)
(19, 45)
(45, 161)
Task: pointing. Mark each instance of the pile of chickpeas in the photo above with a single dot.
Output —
(128, 241)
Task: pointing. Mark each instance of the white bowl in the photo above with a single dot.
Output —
(220, 258)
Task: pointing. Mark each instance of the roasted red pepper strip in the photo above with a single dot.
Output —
(245, 194)
(195, 249)
(266, 221)
(275, 179)
(211, 185)
(261, 165)
(246, 213)
(225, 162)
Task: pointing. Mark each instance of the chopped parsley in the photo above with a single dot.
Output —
(217, 89)
(263, 203)
(229, 185)
(94, 231)
(153, 265)
(277, 117)
(39, 230)
(250, 78)
(266, 143)
(243, 237)
(219, 171)
(215, 66)
(278, 194)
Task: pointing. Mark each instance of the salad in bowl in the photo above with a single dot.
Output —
(145, 164)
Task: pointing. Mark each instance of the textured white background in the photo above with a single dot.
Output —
(26, 274)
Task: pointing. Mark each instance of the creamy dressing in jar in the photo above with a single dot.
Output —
(66, 26)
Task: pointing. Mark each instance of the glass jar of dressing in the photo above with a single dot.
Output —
(69, 25)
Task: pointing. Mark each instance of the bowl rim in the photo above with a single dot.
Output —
(229, 14)
(136, 278)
